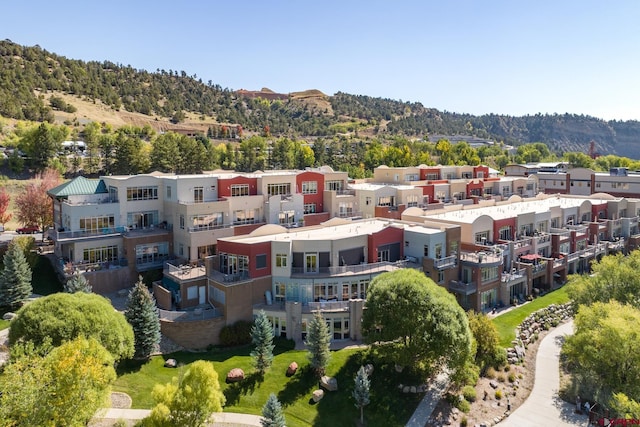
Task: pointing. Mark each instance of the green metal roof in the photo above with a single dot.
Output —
(79, 186)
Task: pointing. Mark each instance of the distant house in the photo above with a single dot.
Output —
(74, 146)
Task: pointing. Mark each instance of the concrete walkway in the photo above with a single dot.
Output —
(429, 401)
(221, 419)
(543, 407)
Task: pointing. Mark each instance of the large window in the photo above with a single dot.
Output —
(489, 273)
(198, 194)
(101, 254)
(333, 185)
(205, 251)
(142, 219)
(244, 217)
(345, 209)
(152, 253)
(239, 190)
(97, 223)
(505, 233)
(234, 264)
(281, 260)
(311, 262)
(309, 187)
(482, 237)
(386, 201)
(309, 208)
(286, 217)
(142, 193)
(279, 189)
(412, 200)
(280, 291)
(206, 221)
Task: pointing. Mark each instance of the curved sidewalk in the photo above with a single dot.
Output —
(544, 407)
(221, 419)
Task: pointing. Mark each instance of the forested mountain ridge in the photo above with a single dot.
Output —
(168, 98)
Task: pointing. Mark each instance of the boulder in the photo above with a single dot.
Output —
(171, 363)
(329, 383)
(493, 384)
(317, 395)
(235, 375)
(406, 389)
(413, 389)
(368, 369)
(8, 316)
(292, 369)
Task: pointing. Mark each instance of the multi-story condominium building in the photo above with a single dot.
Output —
(129, 224)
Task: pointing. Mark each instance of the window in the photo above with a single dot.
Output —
(440, 195)
(505, 233)
(345, 209)
(598, 184)
(555, 222)
(181, 249)
(97, 223)
(152, 253)
(489, 273)
(206, 221)
(438, 250)
(309, 208)
(383, 255)
(181, 221)
(432, 177)
(482, 237)
(386, 201)
(168, 192)
(311, 262)
(142, 193)
(278, 189)
(100, 254)
(233, 264)
(467, 175)
(205, 251)
(286, 217)
(440, 276)
(530, 187)
(426, 250)
(412, 200)
(488, 191)
(261, 261)
(406, 243)
(142, 219)
(506, 191)
(238, 190)
(280, 291)
(333, 185)
(192, 292)
(281, 260)
(453, 247)
(367, 200)
(309, 187)
(411, 177)
(198, 194)
(244, 217)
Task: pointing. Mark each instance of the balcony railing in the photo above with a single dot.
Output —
(328, 306)
(558, 262)
(348, 214)
(197, 202)
(463, 287)
(70, 268)
(561, 232)
(106, 231)
(91, 202)
(445, 262)
(190, 315)
(365, 268)
(515, 275)
(242, 276)
(345, 192)
(616, 245)
(207, 227)
(481, 257)
(543, 238)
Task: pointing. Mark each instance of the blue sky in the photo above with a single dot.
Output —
(478, 57)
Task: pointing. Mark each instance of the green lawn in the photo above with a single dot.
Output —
(4, 324)
(506, 323)
(389, 407)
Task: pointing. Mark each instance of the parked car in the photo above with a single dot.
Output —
(31, 229)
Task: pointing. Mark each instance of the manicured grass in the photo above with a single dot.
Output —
(389, 407)
(506, 323)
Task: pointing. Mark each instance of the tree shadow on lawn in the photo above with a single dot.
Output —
(388, 407)
(241, 388)
(301, 384)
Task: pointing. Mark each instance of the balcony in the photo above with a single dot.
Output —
(446, 262)
(87, 202)
(345, 192)
(326, 306)
(617, 245)
(462, 287)
(70, 268)
(542, 238)
(522, 243)
(364, 268)
(515, 276)
(184, 272)
(348, 214)
(208, 227)
(85, 234)
(481, 257)
(197, 202)
(561, 233)
(580, 230)
(229, 278)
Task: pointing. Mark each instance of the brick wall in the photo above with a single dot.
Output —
(197, 334)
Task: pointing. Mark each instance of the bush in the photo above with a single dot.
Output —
(512, 377)
(501, 378)
(491, 373)
(463, 422)
(498, 394)
(237, 334)
(463, 405)
(469, 393)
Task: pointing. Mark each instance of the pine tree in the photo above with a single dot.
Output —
(78, 283)
(361, 391)
(262, 339)
(318, 341)
(272, 415)
(142, 314)
(15, 278)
